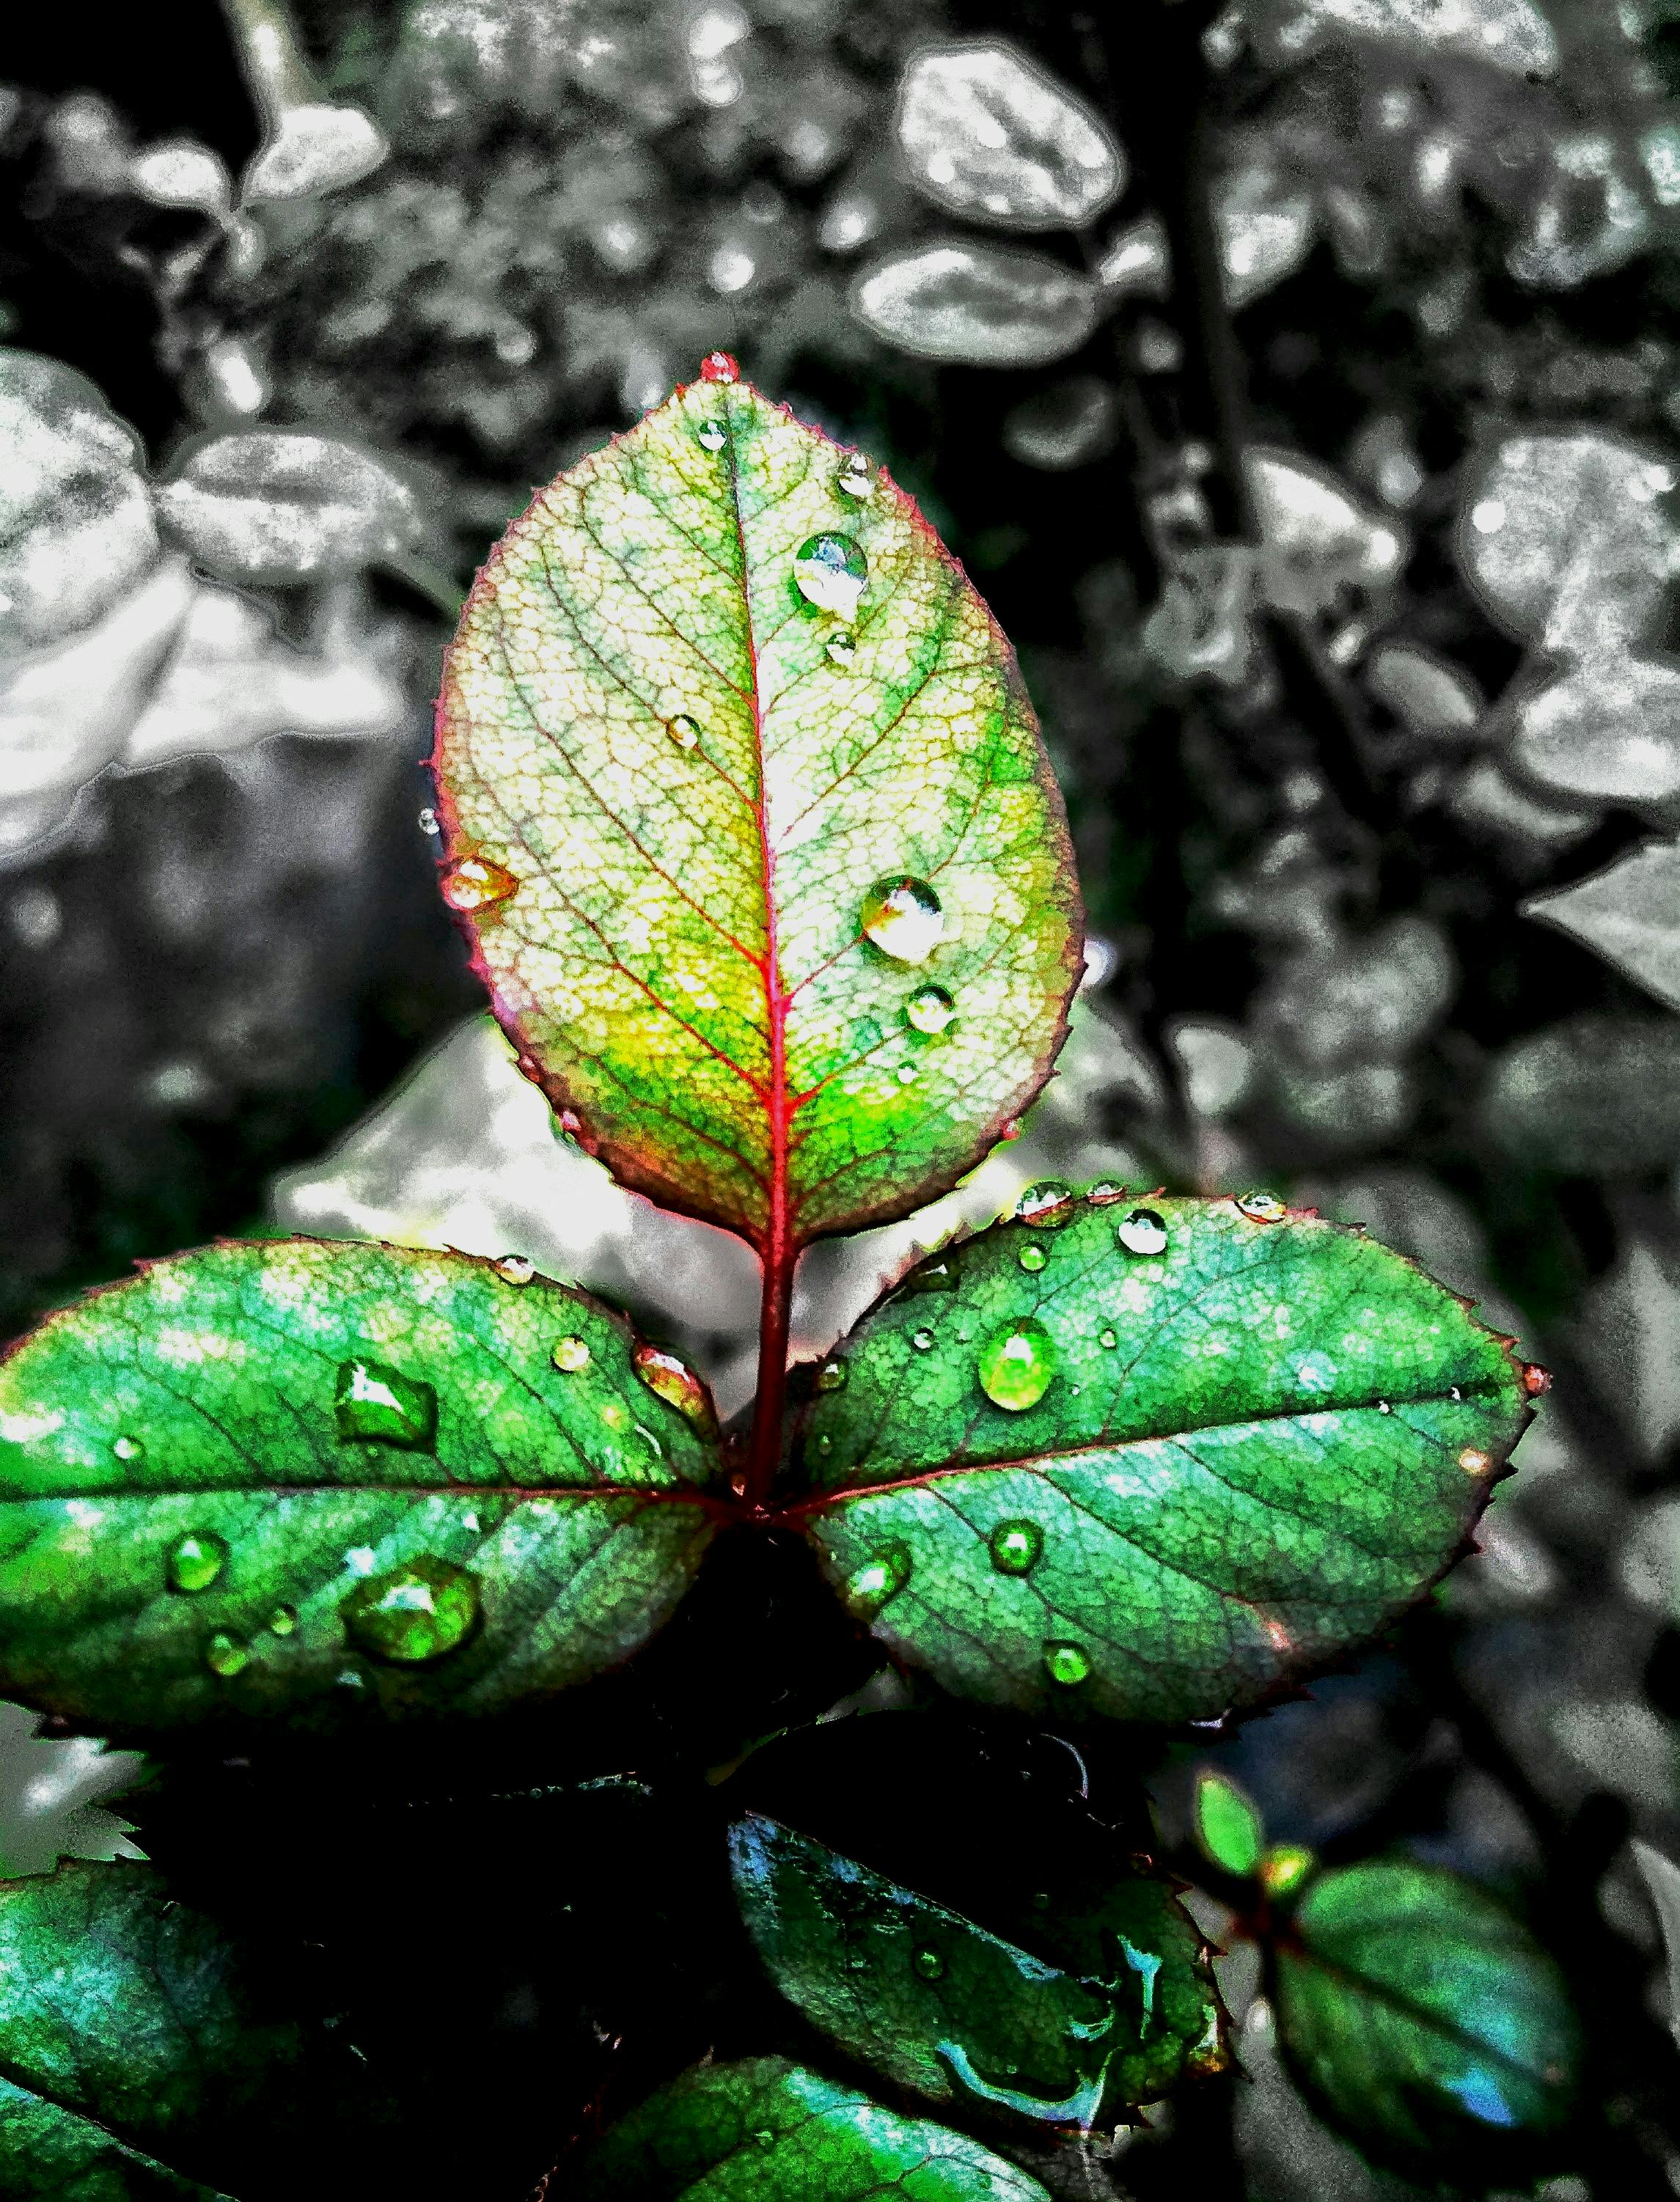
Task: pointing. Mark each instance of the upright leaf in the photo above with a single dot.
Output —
(768, 2131)
(1151, 1460)
(938, 2003)
(1415, 2010)
(739, 778)
(977, 305)
(266, 1480)
(991, 136)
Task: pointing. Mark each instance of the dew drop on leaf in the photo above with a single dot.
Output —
(417, 1612)
(830, 571)
(1017, 1547)
(903, 917)
(1142, 1231)
(881, 1577)
(931, 1277)
(719, 366)
(1262, 1207)
(225, 1655)
(922, 1340)
(1108, 1339)
(430, 824)
(1049, 1204)
(1017, 1364)
(477, 883)
(1031, 1257)
(831, 1376)
(927, 1964)
(764, 2138)
(283, 1620)
(128, 1449)
(856, 477)
(569, 1354)
(712, 434)
(1474, 1461)
(905, 1074)
(670, 1379)
(377, 1404)
(1536, 1381)
(515, 1269)
(1067, 1663)
(1105, 1193)
(684, 731)
(929, 1009)
(842, 647)
(196, 1560)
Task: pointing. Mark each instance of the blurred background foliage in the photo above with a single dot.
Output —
(1296, 378)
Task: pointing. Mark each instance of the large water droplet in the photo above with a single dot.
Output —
(922, 1340)
(416, 1612)
(224, 1654)
(675, 1382)
(1069, 1665)
(1017, 1364)
(929, 1009)
(477, 883)
(830, 571)
(1031, 1257)
(1142, 1231)
(1017, 1547)
(927, 1964)
(684, 731)
(856, 477)
(881, 1577)
(719, 366)
(374, 1403)
(128, 1449)
(515, 1269)
(569, 1354)
(831, 1376)
(1049, 1204)
(842, 647)
(1261, 1207)
(903, 917)
(712, 434)
(196, 1560)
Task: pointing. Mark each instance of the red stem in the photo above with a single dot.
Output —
(781, 1259)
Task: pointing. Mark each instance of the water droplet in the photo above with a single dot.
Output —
(1031, 1257)
(929, 1009)
(196, 1560)
(1383, 1408)
(1108, 1341)
(515, 1269)
(1142, 1231)
(830, 571)
(764, 2138)
(922, 1340)
(1105, 1193)
(1261, 1207)
(825, 1444)
(1012, 1130)
(1017, 1364)
(832, 1375)
(477, 883)
(712, 434)
(378, 1404)
(1017, 1547)
(1456, 1396)
(417, 1612)
(881, 1577)
(430, 823)
(926, 1964)
(1069, 1665)
(128, 1449)
(1048, 1204)
(1474, 1461)
(569, 1354)
(224, 1654)
(1536, 1380)
(931, 1277)
(905, 1074)
(718, 366)
(283, 1620)
(684, 731)
(673, 1382)
(903, 917)
(856, 477)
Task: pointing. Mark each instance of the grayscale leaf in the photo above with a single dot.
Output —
(1608, 730)
(1629, 914)
(990, 135)
(978, 305)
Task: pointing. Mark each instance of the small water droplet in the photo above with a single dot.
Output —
(1016, 1365)
(881, 1577)
(922, 1340)
(1012, 1130)
(374, 1403)
(569, 1354)
(1456, 1396)
(1142, 1231)
(764, 2138)
(927, 1964)
(830, 571)
(1049, 1204)
(128, 1449)
(1383, 1408)
(1105, 1193)
(905, 1074)
(929, 1009)
(931, 1277)
(903, 917)
(1474, 1461)
(196, 1560)
(1031, 1257)
(515, 1269)
(1261, 1207)
(684, 731)
(712, 434)
(670, 1379)
(842, 646)
(832, 1375)
(283, 1620)
(825, 1444)
(1017, 1547)
(1536, 1380)
(430, 823)
(476, 884)
(1069, 1665)
(1108, 1341)
(856, 477)
(224, 1655)
(418, 1611)
(719, 366)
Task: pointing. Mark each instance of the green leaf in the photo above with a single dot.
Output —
(1151, 1460)
(765, 2130)
(281, 1479)
(135, 2061)
(1415, 2010)
(937, 2004)
(1228, 1825)
(677, 759)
